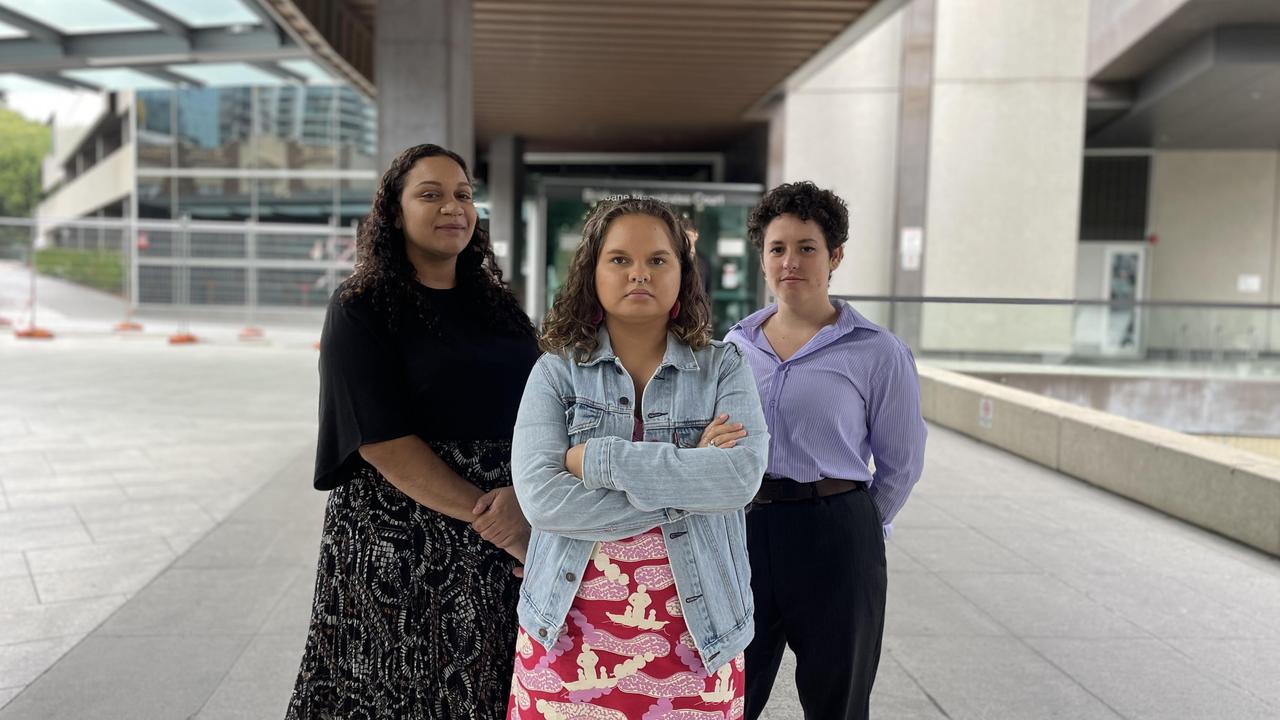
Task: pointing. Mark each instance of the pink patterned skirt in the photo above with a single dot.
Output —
(627, 654)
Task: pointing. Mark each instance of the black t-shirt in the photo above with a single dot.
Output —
(461, 380)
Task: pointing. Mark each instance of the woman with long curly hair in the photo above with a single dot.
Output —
(423, 359)
(637, 596)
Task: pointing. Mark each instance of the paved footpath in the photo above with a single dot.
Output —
(158, 536)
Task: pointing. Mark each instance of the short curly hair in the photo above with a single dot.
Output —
(807, 202)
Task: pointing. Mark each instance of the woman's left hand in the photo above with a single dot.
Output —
(722, 434)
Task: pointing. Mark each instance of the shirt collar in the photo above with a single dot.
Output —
(847, 321)
(678, 354)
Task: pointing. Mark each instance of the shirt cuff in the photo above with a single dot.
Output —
(888, 530)
(595, 464)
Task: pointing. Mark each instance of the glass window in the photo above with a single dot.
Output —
(295, 200)
(155, 198)
(211, 13)
(155, 128)
(214, 199)
(84, 16)
(354, 198)
(357, 131)
(294, 126)
(214, 126)
(232, 74)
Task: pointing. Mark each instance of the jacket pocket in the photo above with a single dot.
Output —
(582, 419)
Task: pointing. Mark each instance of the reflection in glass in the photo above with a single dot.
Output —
(155, 128)
(214, 127)
(295, 200)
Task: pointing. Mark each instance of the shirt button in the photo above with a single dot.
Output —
(624, 400)
(570, 577)
(542, 632)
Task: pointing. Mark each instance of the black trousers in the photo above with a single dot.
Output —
(819, 580)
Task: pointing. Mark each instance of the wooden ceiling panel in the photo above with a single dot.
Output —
(635, 74)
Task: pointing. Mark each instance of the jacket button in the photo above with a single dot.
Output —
(624, 400)
(570, 576)
(542, 632)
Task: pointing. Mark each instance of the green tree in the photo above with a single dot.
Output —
(23, 145)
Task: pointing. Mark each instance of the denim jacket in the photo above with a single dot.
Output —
(697, 495)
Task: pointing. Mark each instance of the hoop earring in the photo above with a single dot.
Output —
(598, 316)
(675, 310)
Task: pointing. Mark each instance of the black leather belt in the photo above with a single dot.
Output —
(776, 488)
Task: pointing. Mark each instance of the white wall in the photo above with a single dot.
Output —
(1215, 214)
(840, 130)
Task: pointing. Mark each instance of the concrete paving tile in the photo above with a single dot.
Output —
(98, 555)
(7, 694)
(231, 544)
(53, 620)
(48, 536)
(180, 543)
(16, 521)
(154, 521)
(1168, 608)
(59, 482)
(203, 601)
(129, 677)
(167, 476)
(897, 695)
(993, 679)
(54, 498)
(922, 513)
(80, 461)
(21, 663)
(23, 463)
(17, 592)
(1036, 605)
(997, 511)
(12, 565)
(1173, 553)
(784, 702)
(262, 679)
(291, 615)
(1148, 679)
(959, 550)
(1255, 594)
(1250, 664)
(117, 579)
(924, 605)
(1060, 552)
(898, 561)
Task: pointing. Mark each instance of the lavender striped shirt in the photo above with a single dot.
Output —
(850, 394)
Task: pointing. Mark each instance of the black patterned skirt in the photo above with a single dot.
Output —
(414, 614)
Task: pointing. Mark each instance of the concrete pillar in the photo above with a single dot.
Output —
(506, 197)
(1004, 171)
(916, 97)
(423, 69)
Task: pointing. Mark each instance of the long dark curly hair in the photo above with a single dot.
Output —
(384, 274)
(571, 323)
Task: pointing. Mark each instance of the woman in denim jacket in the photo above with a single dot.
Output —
(637, 596)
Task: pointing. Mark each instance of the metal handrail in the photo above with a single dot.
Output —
(929, 299)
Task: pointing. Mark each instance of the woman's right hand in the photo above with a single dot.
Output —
(722, 434)
(500, 521)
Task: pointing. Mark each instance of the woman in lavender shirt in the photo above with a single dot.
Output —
(837, 390)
